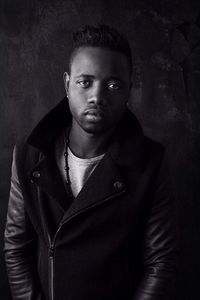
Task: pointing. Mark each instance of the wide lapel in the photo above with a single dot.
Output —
(104, 184)
(46, 173)
(47, 176)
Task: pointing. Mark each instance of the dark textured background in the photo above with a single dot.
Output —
(165, 36)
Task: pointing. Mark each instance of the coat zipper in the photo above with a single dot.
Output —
(52, 243)
(51, 269)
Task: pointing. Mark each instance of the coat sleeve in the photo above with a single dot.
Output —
(20, 246)
(160, 243)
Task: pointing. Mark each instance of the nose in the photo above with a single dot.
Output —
(97, 95)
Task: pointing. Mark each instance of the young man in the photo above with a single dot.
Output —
(91, 212)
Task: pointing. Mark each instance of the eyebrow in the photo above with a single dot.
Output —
(84, 75)
(116, 78)
(92, 77)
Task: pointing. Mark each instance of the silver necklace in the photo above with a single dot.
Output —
(66, 167)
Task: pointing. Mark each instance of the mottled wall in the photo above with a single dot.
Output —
(165, 36)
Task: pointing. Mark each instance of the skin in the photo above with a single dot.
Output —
(98, 89)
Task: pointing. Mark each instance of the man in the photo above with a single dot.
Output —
(91, 212)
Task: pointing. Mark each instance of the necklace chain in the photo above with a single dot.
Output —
(66, 167)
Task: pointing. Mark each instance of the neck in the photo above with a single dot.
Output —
(88, 145)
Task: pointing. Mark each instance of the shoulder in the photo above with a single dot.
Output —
(153, 148)
(158, 156)
(24, 155)
(154, 153)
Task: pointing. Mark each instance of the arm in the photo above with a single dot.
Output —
(160, 244)
(20, 246)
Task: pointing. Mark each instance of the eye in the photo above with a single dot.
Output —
(83, 83)
(114, 86)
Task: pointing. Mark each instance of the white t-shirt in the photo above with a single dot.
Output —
(79, 168)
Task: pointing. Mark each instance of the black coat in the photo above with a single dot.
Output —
(116, 240)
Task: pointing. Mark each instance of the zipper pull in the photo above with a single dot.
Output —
(51, 251)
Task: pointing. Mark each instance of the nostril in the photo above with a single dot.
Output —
(92, 99)
(96, 100)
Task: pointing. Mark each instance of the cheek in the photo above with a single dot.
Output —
(74, 106)
(119, 102)
(77, 96)
(119, 108)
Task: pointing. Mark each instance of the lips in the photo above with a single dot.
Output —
(94, 114)
(93, 111)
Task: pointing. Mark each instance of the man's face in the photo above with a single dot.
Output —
(98, 88)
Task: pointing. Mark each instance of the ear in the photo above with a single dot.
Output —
(66, 79)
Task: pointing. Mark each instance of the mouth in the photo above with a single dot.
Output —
(94, 114)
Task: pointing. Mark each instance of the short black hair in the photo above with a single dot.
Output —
(102, 36)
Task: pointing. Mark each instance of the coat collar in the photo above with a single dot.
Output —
(45, 133)
(127, 148)
(126, 152)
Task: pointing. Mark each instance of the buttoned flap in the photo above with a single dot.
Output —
(104, 183)
(47, 177)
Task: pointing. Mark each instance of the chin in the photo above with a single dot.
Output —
(94, 128)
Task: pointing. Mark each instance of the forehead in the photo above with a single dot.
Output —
(99, 62)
